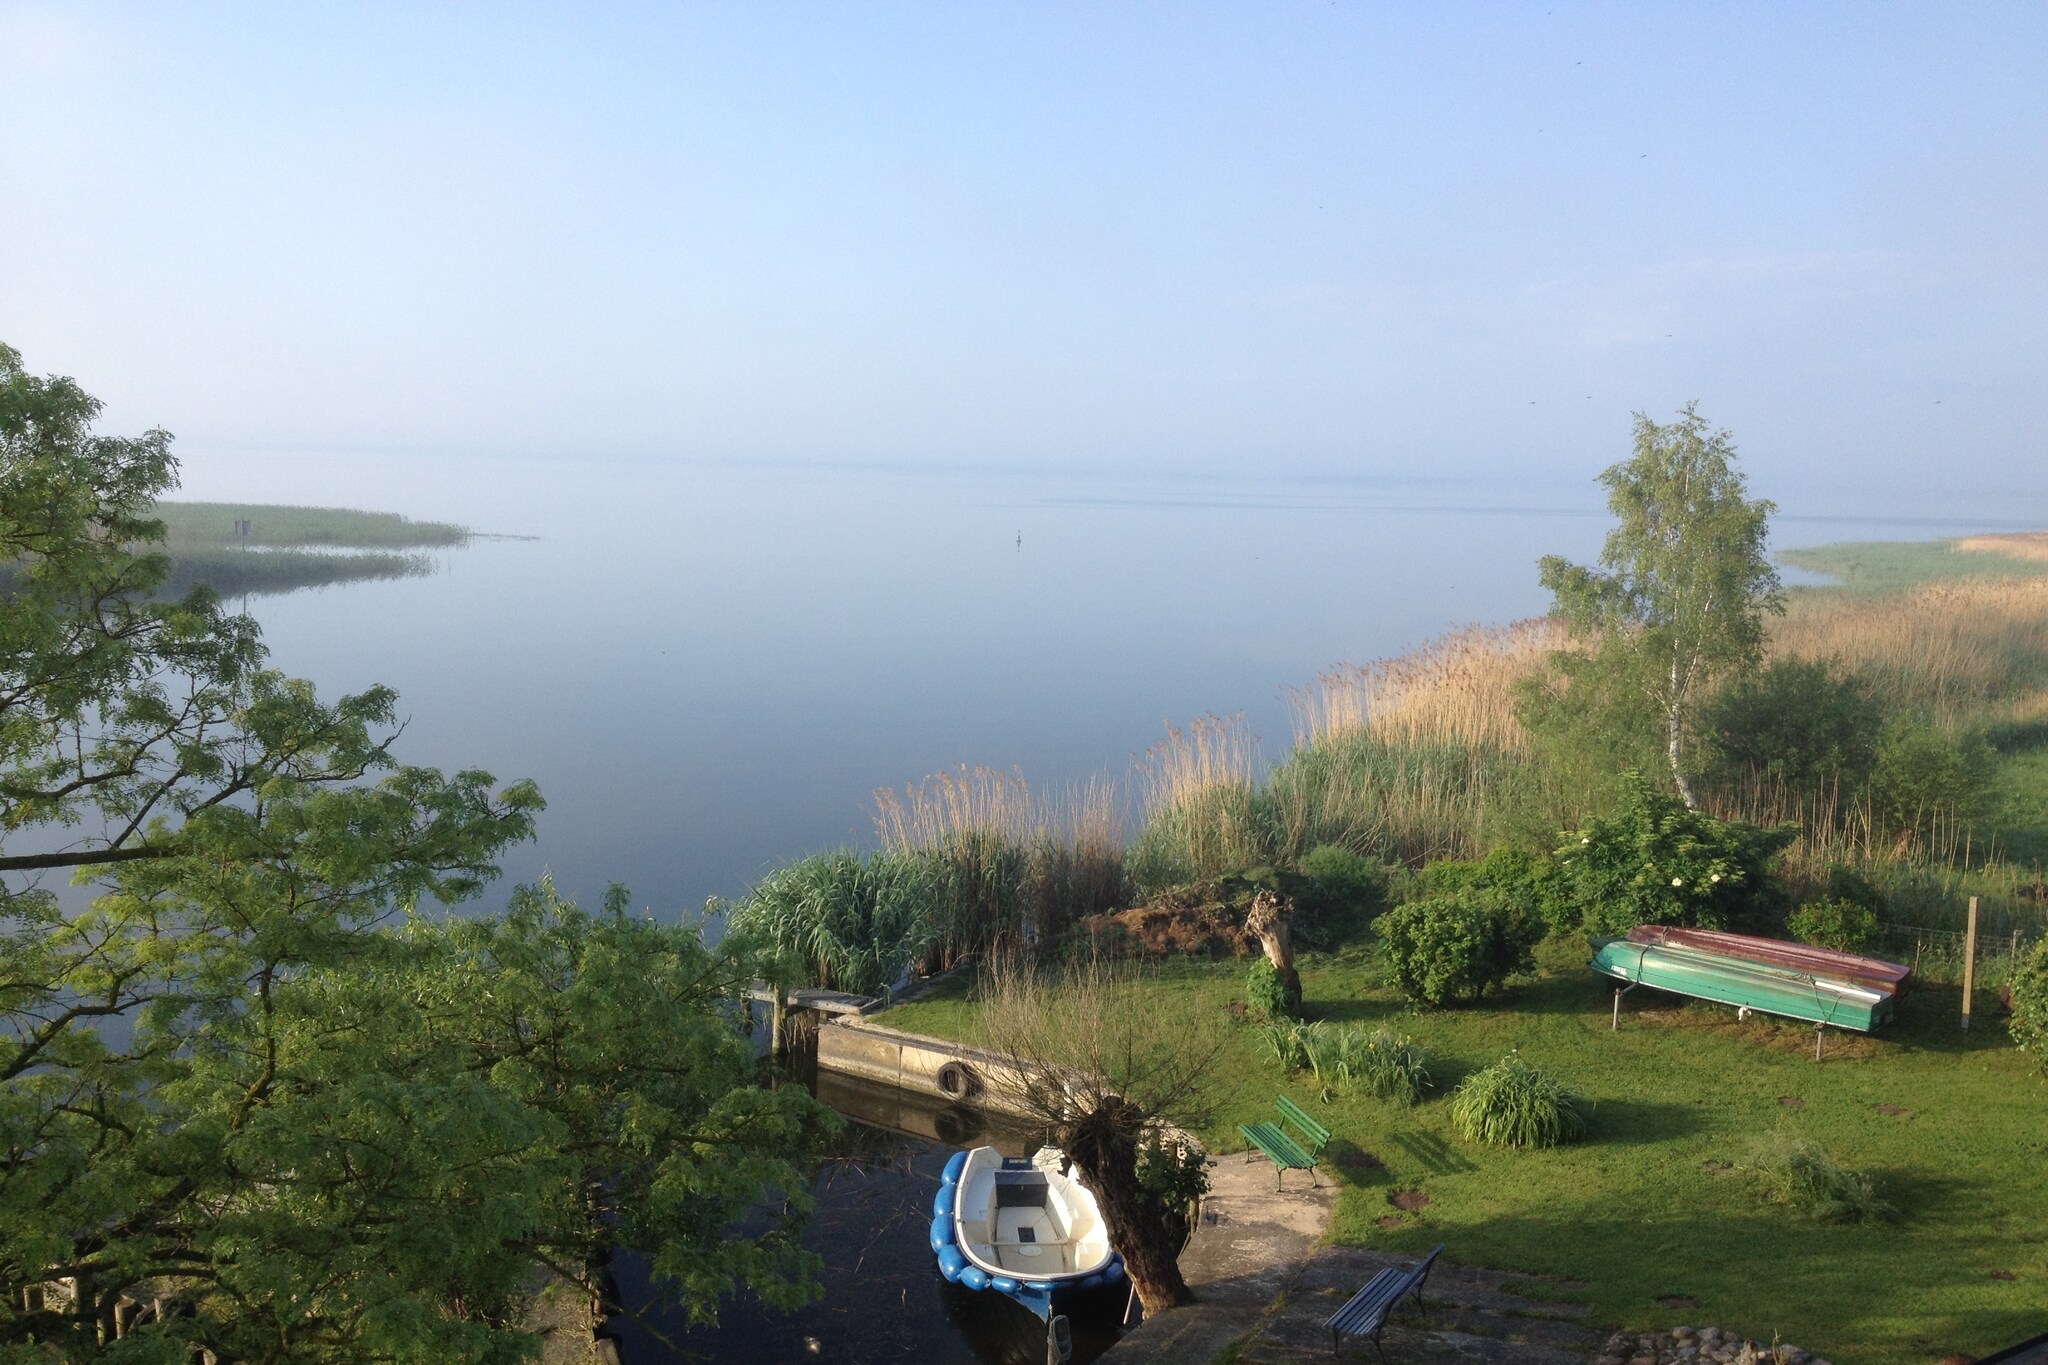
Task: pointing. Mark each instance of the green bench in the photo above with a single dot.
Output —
(1278, 1144)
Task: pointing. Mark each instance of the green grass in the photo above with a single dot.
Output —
(292, 547)
(1653, 1201)
(1888, 565)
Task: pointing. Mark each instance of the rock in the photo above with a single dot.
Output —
(1683, 1333)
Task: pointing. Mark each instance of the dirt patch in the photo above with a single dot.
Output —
(1894, 1111)
(1359, 1161)
(1194, 921)
(2003, 1275)
(1717, 1167)
(1678, 1301)
(1392, 1221)
(1792, 1101)
(1413, 1201)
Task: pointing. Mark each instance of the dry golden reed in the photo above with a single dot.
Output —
(1457, 690)
(928, 815)
(2014, 545)
(1213, 752)
(1953, 648)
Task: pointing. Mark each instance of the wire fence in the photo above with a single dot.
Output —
(1937, 954)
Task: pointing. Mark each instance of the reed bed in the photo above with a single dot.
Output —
(1020, 866)
(2031, 545)
(1954, 651)
(1459, 689)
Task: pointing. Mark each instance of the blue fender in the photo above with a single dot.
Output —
(1092, 1282)
(974, 1277)
(942, 1205)
(1115, 1270)
(954, 1165)
(951, 1263)
(1003, 1284)
(942, 1233)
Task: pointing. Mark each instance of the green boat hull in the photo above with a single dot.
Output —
(1746, 985)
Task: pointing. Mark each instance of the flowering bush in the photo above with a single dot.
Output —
(1656, 861)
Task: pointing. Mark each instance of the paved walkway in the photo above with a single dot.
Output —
(1267, 1285)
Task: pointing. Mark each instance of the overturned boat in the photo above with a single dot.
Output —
(1747, 982)
(1021, 1228)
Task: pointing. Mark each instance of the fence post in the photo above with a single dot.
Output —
(1969, 962)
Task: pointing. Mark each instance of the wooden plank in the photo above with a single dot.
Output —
(1969, 963)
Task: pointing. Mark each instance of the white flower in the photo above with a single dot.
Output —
(1587, 840)
(1678, 881)
(1715, 877)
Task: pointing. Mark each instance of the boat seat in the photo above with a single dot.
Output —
(1024, 1225)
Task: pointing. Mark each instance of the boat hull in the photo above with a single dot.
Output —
(1044, 1295)
(1870, 972)
(1744, 983)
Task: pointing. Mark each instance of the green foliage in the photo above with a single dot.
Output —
(229, 1080)
(1343, 891)
(1446, 949)
(1267, 993)
(1798, 1172)
(1839, 924)
(1927, 784)
(1795, 725)
(1889, 565)
(1293, 1044)
(1684, 583)
(2029, 988)
(1202, 835)
(1528, 888)
(1654, 861)
(1514, 1104)
(842, 922)
(1381, 1063)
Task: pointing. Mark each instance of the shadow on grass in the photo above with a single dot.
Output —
(1432, 1153)
(1632, 1123)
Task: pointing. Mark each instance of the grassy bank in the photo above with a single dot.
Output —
(254, 548)
(1653, 1211)
(1889, 565)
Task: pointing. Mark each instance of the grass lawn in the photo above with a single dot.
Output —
(1653, 1206)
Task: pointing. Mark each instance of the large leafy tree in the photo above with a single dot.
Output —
(1684, 582)
(251, 1100)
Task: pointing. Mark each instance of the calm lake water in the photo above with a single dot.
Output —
(710, 672)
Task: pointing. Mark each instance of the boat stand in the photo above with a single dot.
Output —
(1616, 1025)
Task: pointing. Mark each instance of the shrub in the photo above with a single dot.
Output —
(1294, 1045)
(1799, 1173)
(1797, 724)
(1269, 995)
(1451, 948)
(1529, 887)
(1382, 1064)
(1655, 861)
(1839, 924)
(2029, 988)
(1514, 1104)
(838, 921)
(1344, 892)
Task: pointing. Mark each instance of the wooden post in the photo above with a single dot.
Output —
(1969, 962)
(1617, 1009)
(778, 1023)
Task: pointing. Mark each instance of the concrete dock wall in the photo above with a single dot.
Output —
(924, 1066)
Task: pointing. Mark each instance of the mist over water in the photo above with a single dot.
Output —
(709, 671)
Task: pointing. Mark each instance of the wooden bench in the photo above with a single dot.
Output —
(1274, 1140)
(1367, 1311)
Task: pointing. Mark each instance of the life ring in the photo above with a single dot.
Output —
(959, 1081)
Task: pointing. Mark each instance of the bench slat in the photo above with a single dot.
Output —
(1367, 1310)
(1276, 1144)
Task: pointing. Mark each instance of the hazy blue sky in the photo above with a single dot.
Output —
(1247, 238)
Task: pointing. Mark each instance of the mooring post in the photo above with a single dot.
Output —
(778, 1022)
(1969, 962)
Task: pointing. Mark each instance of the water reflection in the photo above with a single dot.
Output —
(884, 1298)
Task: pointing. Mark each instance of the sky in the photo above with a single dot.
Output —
(1328, 240)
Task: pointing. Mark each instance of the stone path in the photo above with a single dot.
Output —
(1266, 1287)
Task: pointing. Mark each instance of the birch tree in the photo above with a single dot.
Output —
(1684, 583)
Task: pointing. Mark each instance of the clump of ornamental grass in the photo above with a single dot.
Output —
(1798, 1173)
(1296, 1045)
(1515, 1104)
(1383, 1064)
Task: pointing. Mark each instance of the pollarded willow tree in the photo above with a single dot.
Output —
(1106, 1065)
(1684, 583)
(250, 1101)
